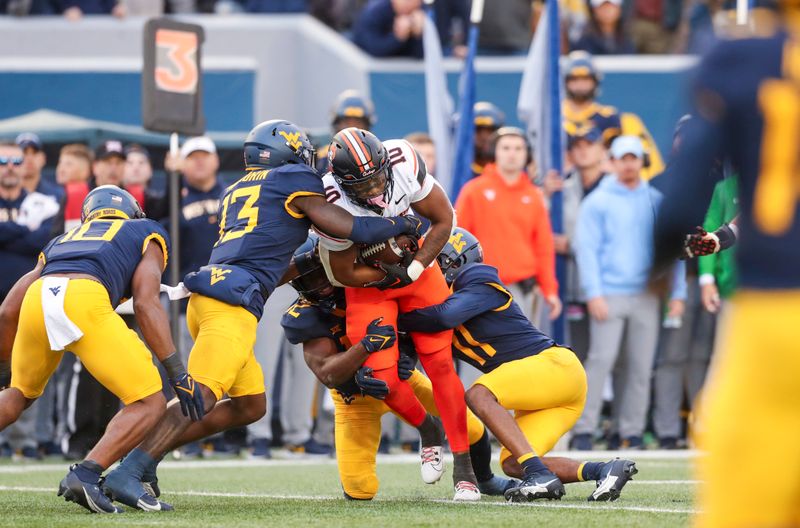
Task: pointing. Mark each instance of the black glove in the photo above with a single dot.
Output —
(413, 226)
(5, 374)
(396, 275)
(405, 366)
(189, 396)
(379, 337)
(699, 244)
(370, 386)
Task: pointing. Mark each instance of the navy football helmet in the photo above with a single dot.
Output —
(277, 142)
(463, 248)
(485, 114)
(312, 282)
(109, 201)
(581, 65)
(360, 165)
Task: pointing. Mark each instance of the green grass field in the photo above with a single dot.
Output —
(290, 493)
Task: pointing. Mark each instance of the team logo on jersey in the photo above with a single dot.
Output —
(218, 274)
(292, 138)
(457, 242)
(55, 290)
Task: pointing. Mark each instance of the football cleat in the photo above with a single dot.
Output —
(151, 488)
(538, 486)
(613, 477)
(87, 494)
(497, 485)
(432, 464)
(466, 491)
(123, 487)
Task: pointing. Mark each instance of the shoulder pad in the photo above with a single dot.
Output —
(302, 322)
(476, 274)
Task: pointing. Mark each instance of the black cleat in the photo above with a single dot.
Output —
(123, 487)
(613, 478)
(539, 486)
(86, 494)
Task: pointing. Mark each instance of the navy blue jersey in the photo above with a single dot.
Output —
(489, 327)
(107, 249)
(747, 98)
(304, 322)
(258, 231)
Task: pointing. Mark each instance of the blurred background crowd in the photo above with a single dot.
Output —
(393, 28)
(645, 353)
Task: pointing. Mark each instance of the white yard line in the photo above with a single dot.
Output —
(555, 505)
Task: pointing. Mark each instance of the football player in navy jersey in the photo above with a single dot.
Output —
(525, 371)
(67, 303)
(317, 320)
(263, 218)
(747, 106)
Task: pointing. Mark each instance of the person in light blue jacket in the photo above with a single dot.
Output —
(613, 246)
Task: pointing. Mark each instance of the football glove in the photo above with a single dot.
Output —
(700, 243)
(396, 274)
(413, 226)
(379, 337)
(369, 385)
(189, 396)
(405, 366)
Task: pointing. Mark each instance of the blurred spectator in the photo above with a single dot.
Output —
(423, 144)
(717, 271)
(653, 24)
(276, 6)
(109, 164)
(26, 225)
(35, 160)
(137, 172)
(351, 109)
(606, 33)
(390, 28)
(487, 118)
(75, 9)
(580, 108)
(507, 213)
(338, 14)
(73, 172)
(505, 28)
(613, 244)
(587, 156)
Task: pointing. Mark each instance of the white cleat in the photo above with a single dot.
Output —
(432, 464)
(466, 491)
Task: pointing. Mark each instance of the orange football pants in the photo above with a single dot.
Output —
(367, 304)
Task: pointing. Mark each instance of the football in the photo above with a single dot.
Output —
(388, 252)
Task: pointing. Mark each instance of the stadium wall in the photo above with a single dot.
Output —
(290, 66)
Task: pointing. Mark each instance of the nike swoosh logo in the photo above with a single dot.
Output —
(399, 199)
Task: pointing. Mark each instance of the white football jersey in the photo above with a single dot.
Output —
(412, 183)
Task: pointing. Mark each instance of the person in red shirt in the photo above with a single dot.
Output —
(507, 212)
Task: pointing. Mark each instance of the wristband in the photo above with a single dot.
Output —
(415, 269)
(174, 366)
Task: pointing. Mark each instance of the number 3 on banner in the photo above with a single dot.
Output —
(176, 61)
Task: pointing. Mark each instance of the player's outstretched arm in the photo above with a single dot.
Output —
(336, 222)
(456, 310)
(333, 368)
(9, 319)
(154, 323)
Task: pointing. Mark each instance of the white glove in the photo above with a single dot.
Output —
(35, 209)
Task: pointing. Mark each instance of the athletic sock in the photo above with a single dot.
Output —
(590, 470)
(137, 463)
(481, 455)
(430, 433)
(462, 468)
(89, 471)
(532, 465)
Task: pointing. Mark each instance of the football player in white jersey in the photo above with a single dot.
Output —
(371, 178)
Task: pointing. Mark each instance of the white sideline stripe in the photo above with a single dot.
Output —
(440, 501)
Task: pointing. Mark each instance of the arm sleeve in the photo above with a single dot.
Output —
(460, 307)
(588, 239)
(545, 252)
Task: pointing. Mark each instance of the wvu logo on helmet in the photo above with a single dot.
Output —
(292, 138)
(218, 274)
(457, 242)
